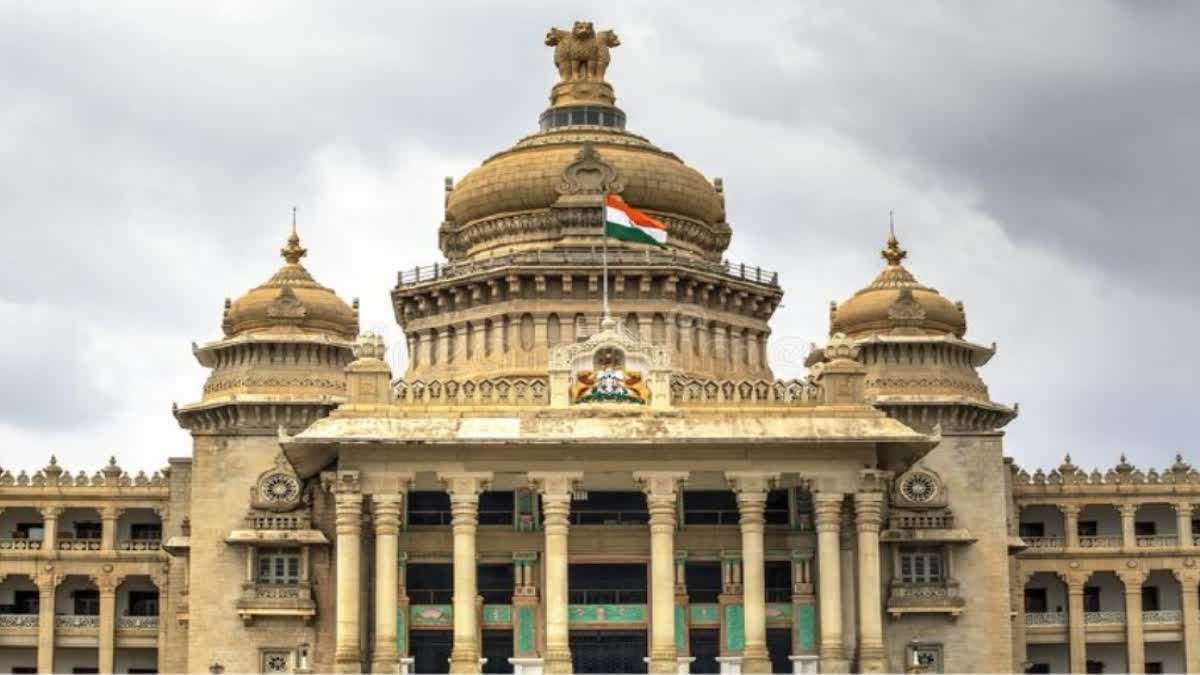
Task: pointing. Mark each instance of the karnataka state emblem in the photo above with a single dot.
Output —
(609, 382)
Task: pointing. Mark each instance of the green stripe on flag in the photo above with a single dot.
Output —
(625, 233)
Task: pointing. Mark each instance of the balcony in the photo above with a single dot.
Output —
(137, 623)
(78, 544)
(1046, 619)
(263, 599)
(1044, 543)
(20, 544)
(84, 621)
(1104, 618)
(924, 598)
(1162, 616)
(18, 621)
(1100, 541)
(1157, 541)
(139, 545)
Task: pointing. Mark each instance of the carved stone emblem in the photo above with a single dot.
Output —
(286, 305)
(581, 53)
(906, 308)
(589, 175)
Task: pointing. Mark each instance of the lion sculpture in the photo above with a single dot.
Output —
(581, 53)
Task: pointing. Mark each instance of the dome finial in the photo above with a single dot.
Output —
(293, 252)
(893, 254)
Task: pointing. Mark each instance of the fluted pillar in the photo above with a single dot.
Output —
(867, 519)
(347, 655)
(107, 638)
(751, 490)
(827, 507)
(384, 657)
(47, 585)
(1135, 642)
(662, 489)
(1189, 583)
(556, 490)
(464, 489)
(1076, 631)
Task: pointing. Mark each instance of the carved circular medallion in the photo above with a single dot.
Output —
(280, 488)
(919, 487)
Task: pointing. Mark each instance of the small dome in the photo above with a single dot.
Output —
(291, 300)
(896, 303)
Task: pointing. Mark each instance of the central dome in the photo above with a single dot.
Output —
(520, 199)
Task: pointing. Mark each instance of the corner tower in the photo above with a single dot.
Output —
(280, 366)
(522, 237)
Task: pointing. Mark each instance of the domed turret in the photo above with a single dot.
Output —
(283, 358)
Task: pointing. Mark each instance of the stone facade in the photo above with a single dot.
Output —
(550, 488)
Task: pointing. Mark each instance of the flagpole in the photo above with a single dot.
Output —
(604, 255)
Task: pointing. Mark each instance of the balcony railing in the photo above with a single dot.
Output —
(1045, 618)
(1157, 541)
(1044, 542)
(20, 544)
(140, 544)
(77, 621)
(137, 622)
(73, 544)
(18, 620)
(1104, 618)
(936, 596)
(616, 258)
(1100, 541)
(1162, 616)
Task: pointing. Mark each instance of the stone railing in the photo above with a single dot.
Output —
(1124, 473)
(140, 544)
(20, 544)
(267, 520)
(55, 476)
(616, 258)
(137, 622)
(73, 544)
(1045, 618)
(491, 391)
(279, 592)
(1044, 542)
(18, 620)
(1157, 541)
(1100, 541)
(936, 519)
(77, 621)
(692, 391)
(1162, 616)
(924, 595)
(1104, 618)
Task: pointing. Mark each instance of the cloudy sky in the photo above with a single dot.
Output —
(1040, 158)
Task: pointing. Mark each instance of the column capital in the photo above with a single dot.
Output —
(1069, 509)
(1133, 579)
(827, 511)
(342, 483)
(47, 582)
(107, 584)
(1184, 508)
(660, 486)
(751, 483)
(555, 485)
(1128, 510)
(110, 512)
(465, 485)
(868, 511)
(1189, 579)
(386, 510)
(51, 511)
(1075, 579)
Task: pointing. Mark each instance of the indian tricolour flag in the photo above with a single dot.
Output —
(622, 221)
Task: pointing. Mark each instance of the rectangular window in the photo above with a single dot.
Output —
(145, 531)
(25, 602)
(778, 575)
(1033, 530)
(428, 508)
(32, 531)
(922, 565)
(86, 603)
(143, 603)
(496, 508)
(703, 581)
(87, 530)
(1150, 601)
(1091, 598)
(278, 566)
(1087, 528)
(1035, 600)
(1145, 529)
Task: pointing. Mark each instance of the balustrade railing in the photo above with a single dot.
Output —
(140, 544)
(73, 544)
(1157, 541)
(137, 622)
(20, 544)
(1104, 618)
(1044, 542)
(18, 620)
(77, 621)
(1045, 618)
(1100, 541)
(1162, 616)
(616, 259)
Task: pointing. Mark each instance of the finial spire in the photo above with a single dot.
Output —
(893, 254)
(293, 252)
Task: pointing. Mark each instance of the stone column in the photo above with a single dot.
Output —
(107, 586)
(1189, 583)
(867, 520)
(683, 359)
(1077, 631)
(347, 655)
(751, 489)
(556, 490)
(108, 527)
(827, 507)
(464, 489)
(161, 582)
(384, 657)
(1128, 535)
(47, 584)
(1135, 645)
(662, 489)
(1070, 525)
(50, 516)
(1183, 523)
